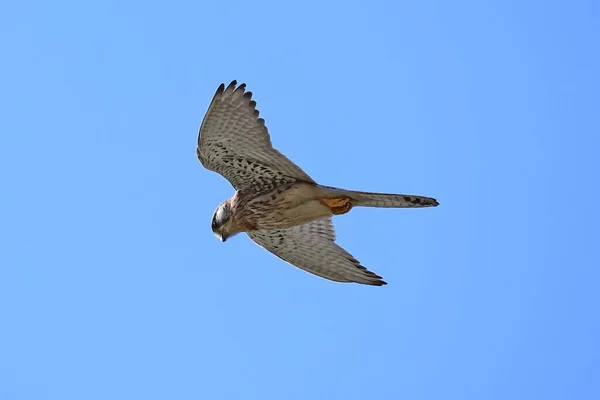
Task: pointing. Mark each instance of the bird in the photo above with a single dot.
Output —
(278, 205)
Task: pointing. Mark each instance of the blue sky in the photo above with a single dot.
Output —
(112, 285)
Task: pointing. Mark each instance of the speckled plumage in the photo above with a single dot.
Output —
(277, 204)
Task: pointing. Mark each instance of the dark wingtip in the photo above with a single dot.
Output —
(380, 282)
(232, 85)
(241, 88)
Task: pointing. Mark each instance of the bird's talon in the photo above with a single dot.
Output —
(341, 210)
(337, 202)
(339, 205)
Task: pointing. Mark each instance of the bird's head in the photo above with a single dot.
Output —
(223, 225)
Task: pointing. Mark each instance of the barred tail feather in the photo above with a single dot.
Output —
(384, 200)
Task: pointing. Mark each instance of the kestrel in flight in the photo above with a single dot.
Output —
(277, 204)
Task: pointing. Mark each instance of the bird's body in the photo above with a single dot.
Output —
(285, 206)
(276, 203)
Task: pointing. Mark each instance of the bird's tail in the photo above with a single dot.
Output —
(385, 200)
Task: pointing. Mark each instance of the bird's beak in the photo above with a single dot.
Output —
(223, 239)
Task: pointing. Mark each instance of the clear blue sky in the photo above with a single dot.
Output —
(112, 285)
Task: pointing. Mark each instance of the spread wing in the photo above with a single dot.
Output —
(311, 247)
(234, 142)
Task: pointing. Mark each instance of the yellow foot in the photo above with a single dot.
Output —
(338, 205)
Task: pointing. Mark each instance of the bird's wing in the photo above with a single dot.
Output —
(234, 142)
(311, 247)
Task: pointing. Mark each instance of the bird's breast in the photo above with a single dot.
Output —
(285, 207)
